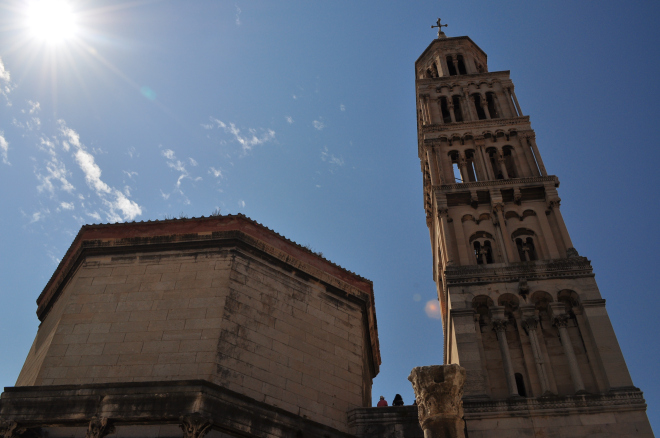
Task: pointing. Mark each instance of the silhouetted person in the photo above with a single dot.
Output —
(398, 401)
(382, 402)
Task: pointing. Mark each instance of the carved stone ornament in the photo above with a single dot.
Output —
(99, 427)
(561, 320)
(439, 393)
(530, 324)
(10, 429)
(195, 425)
(499, 325)
(523, 287)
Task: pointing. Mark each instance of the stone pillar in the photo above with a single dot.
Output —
(461, 243)
(514, 112)
(450, 107)
(484, 105)
(529, 156)
(548, 236)
(553, 206)
(508, 244)
(438, 105)
(532, 142)
(443, 217)
(530, 323)
(515, 99)
(500, 159)
(468, 108)
(454, 60)
(435, 165)
(439, 393)
(430, 157)
(499, 325)
(560, 319)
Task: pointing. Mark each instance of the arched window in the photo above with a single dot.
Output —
(444, 109)
(450, 66)
(483, 247)
(492, 108)
(458, 113)
(461, 65)
(526, 249)
(481, 114)
(520, 384)
(507, 152)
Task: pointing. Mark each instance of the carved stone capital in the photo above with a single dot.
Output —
(498, 207)
(10, 429)
(561, 320)
(195, 425)
(499, 325)
(443, 213)
(439, 393)
(531, 323)
(99, 427)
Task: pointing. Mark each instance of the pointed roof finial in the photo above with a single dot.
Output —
(441, 34)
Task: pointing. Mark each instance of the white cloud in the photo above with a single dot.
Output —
(94, 215)
(118, 205)
(4, 148)
(215, 172)
(241, 203)
(130, 174)
(289, 120)
(342, 107)
(192, 161)
(248, 141)
(330, 158)
(35, 107)
(67, 205)
(318, 125)
(295, 97)
(168, 153)
(5, 82)
(55, 171)
(238, 15)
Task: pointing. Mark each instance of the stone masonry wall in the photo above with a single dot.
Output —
(225, 316)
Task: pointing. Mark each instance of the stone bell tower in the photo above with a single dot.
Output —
(521, 310)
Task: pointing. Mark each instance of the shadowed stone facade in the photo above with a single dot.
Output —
(221, 300)
(521, 310)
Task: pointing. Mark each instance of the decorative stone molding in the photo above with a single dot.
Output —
(572, 252)
(523, 287)
(99, 427)
(495, 184)
(575, 267)
(195, 425)
(587, 403)
(10, 429)
(484, 123)
(439, 392)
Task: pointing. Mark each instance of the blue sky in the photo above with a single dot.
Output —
(301, 115)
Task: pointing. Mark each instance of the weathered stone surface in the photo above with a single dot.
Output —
(439, 393)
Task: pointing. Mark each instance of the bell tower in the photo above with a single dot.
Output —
(521, 311)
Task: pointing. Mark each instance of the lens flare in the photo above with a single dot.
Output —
(51, 21)
(432, 309)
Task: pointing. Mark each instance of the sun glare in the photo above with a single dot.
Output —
(51, 21)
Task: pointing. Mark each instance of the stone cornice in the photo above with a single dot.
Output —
(154, 403)
(496, 184)
(460, 80)
(473, 124)
(542, 269)
(588, 403)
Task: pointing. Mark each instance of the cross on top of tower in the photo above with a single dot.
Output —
(441, 34)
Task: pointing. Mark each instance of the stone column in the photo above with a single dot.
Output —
(430, 156)
(529, 156)
(514, 113)
(468, 108)
(530, 323)
(500, 159)
(461, 243)
(499, 325)
(548, 236)
(560, 319)
(532, 142)
(508, 244)
(438, 105)
(439, 393)
(450, 107)
(443, 217)
(484, 105)
(553, 206)
(515, 99)
(454, 60)
(435, 165)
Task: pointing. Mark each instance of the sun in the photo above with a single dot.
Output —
(51, 21)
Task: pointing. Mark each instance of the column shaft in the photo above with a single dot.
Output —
(500, 329)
